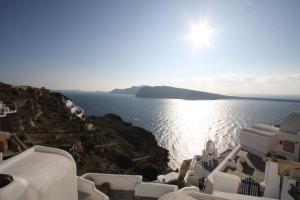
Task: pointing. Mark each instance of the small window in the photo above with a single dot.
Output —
(280, 142)
(289, 146)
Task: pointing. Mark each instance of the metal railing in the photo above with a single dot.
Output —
(249, 187)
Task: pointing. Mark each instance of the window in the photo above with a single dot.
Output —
(288, 146)
(281, 142)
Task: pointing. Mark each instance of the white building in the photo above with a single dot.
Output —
(248, 165)
(75, 110)
(285, 141)
(1, 109)
(4, 110)
(261, 144)
(44, 173)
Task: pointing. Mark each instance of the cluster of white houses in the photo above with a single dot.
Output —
(4, 109)
(75, 110)
(263, 166)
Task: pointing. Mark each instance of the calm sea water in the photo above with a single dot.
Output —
(183, 126)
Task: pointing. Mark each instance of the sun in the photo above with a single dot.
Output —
(201, 34)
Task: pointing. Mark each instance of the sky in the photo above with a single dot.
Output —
(228, 47)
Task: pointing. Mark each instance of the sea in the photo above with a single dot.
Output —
(184, 126)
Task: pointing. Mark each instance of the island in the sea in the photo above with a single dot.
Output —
(167, 92)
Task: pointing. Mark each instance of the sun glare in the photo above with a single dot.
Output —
(201, 34)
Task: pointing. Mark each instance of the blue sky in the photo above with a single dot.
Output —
(101, 45)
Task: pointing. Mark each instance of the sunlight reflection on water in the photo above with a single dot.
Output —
(183, 126)
(190, 124)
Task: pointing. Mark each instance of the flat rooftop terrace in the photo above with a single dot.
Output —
(249, 166)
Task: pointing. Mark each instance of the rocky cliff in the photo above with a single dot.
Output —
(98, 144)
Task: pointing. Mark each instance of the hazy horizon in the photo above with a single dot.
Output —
(245, 47)
(272, 96)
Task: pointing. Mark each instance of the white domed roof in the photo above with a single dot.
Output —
(291, 123)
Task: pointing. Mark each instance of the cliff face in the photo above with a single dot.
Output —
(98, 144)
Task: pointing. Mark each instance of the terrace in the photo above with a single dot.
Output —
(127, 187)
(248, 165)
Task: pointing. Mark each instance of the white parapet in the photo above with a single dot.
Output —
(272, 180)
(287, 183)
(153, 190)
(190, 189)
(167, 178)
(88, 187)
(190, 195)
(233, 196)
(40, 173)
(192, 178)
(116, 181)
(224, 182)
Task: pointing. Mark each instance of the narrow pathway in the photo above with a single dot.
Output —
(141, 158)
(106, 145)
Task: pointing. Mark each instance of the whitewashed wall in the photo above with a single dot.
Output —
(87, 186)
(116, 181)
(154, 190)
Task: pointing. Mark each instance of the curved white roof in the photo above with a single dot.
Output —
(40, 173)
(291, 123)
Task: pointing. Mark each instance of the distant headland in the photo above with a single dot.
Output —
(132, 90)
(167, 92)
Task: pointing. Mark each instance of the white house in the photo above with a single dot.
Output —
(262, 139)
(76, 110)
(4, 109)
(1, 109)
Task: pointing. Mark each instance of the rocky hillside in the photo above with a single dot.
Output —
(98, 144)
